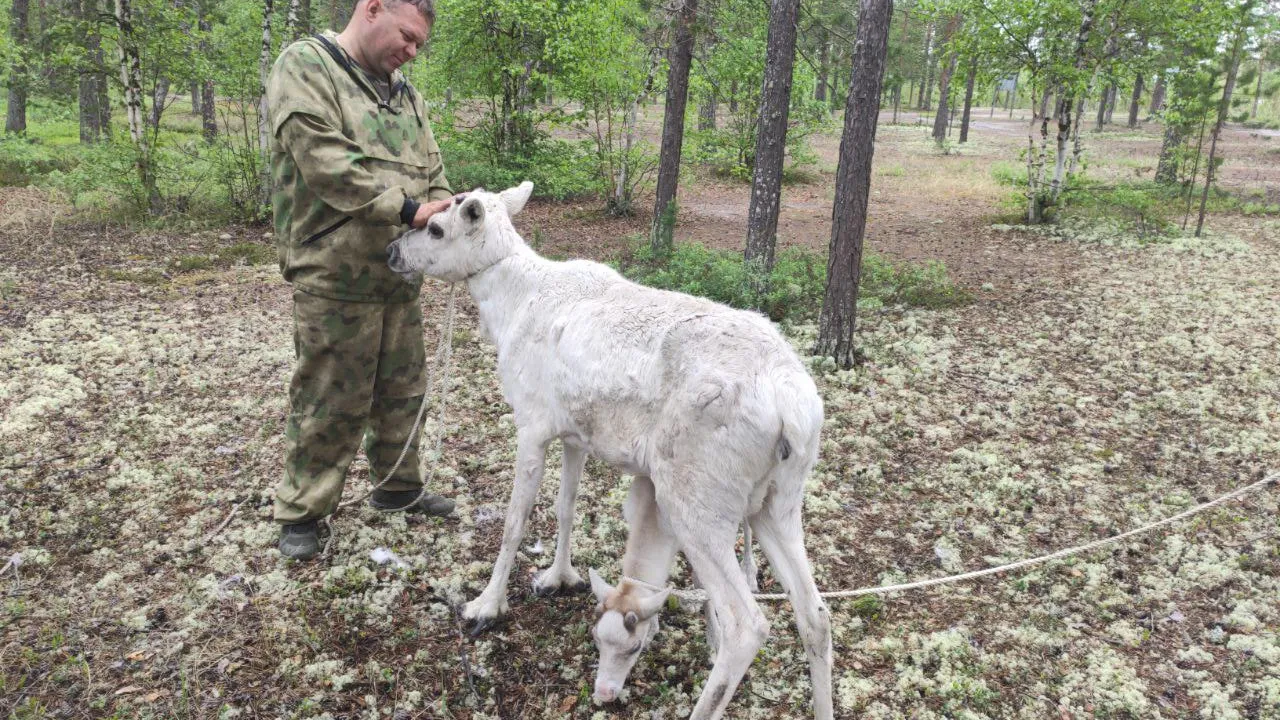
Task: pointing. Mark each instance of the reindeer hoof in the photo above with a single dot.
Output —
(480, 626)
(549, 583)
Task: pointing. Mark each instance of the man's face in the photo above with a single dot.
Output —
(395, 35)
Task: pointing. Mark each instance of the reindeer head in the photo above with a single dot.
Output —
(626, 620)
(473, 234)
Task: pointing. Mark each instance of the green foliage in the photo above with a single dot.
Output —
(559, 169)
(603, 65)
(795, 288)
(734, 71)
(1146, 209)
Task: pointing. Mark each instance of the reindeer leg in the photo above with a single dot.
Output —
(749, 560)
(531, 455)
(742, 628)
(783, 541)
(561, 577)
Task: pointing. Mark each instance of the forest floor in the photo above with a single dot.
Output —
(1094, 384)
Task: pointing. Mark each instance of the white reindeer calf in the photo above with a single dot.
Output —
(708, 407)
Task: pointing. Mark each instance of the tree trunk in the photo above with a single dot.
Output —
(195, 98)
(208, 108)
(1157, 96)
(1135, 103)
(159, 96)
(1102, 111)
(1112, 93)
(925, 76)
(131, 77)
(1167, 167)
(1066, 101)
(264, 124)
(1224, 109)
(771, 137)
(928, 82)
(16, 118)
(304, 26)
(90, 115)
(707, 110)
(944, 82)
(338, 14)
(293, 22)
(1257, 93)
(820, 92)
(968, 99)
(679, 57)
(733, 97)
(853, 184)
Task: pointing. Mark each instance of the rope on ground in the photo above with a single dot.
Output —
(695, 597)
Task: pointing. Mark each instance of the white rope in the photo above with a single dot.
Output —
(695, 597)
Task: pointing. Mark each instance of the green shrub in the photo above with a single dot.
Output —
(795, 288)
(25, 161)
(1010, 174)
(559, 169)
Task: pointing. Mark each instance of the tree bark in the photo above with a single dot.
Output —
(968, 99)
(1135, 103)
(771, 136)
(1157, 96)
(264, 135)
(1102, 110)
(1224, 109)
(944, 81)
(1167, 167)
(131, 77)
(707, 110)
(90, 115)
(1112, 93)
(1066, 101)
(293, 21)
(159, 96)
(679, 57)
(16, 117)
(925, 76)
(1257, 93)
(820, 92)
(853, 184)
(208, 108)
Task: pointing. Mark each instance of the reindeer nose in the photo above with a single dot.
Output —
(606, 692)
(393, 256)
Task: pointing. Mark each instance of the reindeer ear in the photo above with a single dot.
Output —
(629, 621)
(516, 197)
(472, 211)
(599, 587)
(651, 605)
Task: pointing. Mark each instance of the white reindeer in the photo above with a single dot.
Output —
(708, 407)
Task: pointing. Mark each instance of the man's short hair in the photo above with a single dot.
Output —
(426, 7)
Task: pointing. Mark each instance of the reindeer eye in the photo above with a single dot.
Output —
(435, 231)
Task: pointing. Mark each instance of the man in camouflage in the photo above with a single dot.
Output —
(354, 163)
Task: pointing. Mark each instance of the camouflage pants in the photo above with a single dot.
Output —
(360, 372)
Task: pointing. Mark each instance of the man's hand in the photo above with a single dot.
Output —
(427, 209)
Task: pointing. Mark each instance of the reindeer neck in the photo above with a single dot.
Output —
(503, 289)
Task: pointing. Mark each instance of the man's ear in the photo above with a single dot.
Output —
(516, 197)
(472, 212)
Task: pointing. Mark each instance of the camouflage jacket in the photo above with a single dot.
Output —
(348, 171)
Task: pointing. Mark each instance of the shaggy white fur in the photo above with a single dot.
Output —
(708, 407)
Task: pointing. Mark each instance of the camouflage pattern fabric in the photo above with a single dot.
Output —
(360, 372)
(343, 161)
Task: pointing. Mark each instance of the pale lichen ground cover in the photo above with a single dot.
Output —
(134, 418)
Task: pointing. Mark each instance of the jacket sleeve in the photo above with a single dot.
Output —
(303, 108)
